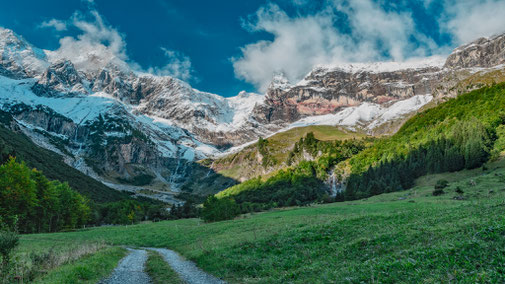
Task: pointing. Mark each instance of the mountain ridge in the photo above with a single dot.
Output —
(108, 112)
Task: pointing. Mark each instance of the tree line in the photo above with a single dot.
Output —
(35, 204)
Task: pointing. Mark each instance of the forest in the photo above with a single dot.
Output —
(462, 133)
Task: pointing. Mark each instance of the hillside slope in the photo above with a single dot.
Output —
(14, 143)
(461, 133)
(253, 161)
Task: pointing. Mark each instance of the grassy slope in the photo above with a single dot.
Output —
(52, 165)
(484, 104)
(245, 165)
(89, 269)
(409, 236)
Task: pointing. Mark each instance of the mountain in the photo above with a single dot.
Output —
(134, 131)
(14, 143)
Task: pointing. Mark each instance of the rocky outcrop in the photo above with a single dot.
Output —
(18, 58)
(328, 90)
(60, 78)
(483, 53)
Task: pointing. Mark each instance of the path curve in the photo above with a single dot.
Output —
(130, 269)
(186, 269)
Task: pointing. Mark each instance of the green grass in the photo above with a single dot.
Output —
(89, 269)
(159, 270)
(401, 237)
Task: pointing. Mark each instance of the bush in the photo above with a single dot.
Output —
(8, 242)
(438, 192)
(215, 209)
(441, 184)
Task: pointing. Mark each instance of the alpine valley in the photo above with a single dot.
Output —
(156, 136)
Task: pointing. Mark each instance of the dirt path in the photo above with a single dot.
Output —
(187, 270)
(130, 269)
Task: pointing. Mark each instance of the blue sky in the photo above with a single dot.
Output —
(228, 46)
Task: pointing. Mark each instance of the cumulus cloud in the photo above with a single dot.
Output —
(178, 66)
(467, 20)
(304, 41)
(55, 24)
(99, 44)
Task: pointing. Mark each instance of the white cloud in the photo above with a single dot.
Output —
(304, 41)
(99, 45)
(467, 20)
(95, 47)
(178, 66)
(56, 24)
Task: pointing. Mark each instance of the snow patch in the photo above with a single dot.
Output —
(379, 67)
(367, 115)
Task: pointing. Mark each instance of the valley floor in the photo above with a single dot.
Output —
(408, 237)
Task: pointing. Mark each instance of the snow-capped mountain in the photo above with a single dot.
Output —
(115, 123)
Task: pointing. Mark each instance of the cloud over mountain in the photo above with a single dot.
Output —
(355, 31)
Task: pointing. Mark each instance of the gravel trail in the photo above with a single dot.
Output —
(130, 269)
(187, 270)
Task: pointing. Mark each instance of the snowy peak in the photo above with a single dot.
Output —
(279, 82)
(19, 59)
(60, 78)
(328, 89)
(436, 62)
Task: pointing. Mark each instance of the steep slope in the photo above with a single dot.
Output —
(462, 133)
(328, 89)
(14, 143)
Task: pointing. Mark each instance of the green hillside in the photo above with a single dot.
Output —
(50, 164)
(461, 133)
(252, 161)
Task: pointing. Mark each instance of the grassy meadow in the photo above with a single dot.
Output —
(408, 237)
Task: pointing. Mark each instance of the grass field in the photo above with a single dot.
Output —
(89, 269)
(402, 237)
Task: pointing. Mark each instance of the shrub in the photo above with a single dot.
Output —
(8, 242)
(215, 209)
(441, 184)
(438, 192)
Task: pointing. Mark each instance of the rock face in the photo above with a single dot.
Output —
(60, 78)
(327, 90)
(117, 124)
(484, 53)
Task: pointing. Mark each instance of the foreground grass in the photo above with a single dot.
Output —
(159, 270)
(409, 236)
(89, 269)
